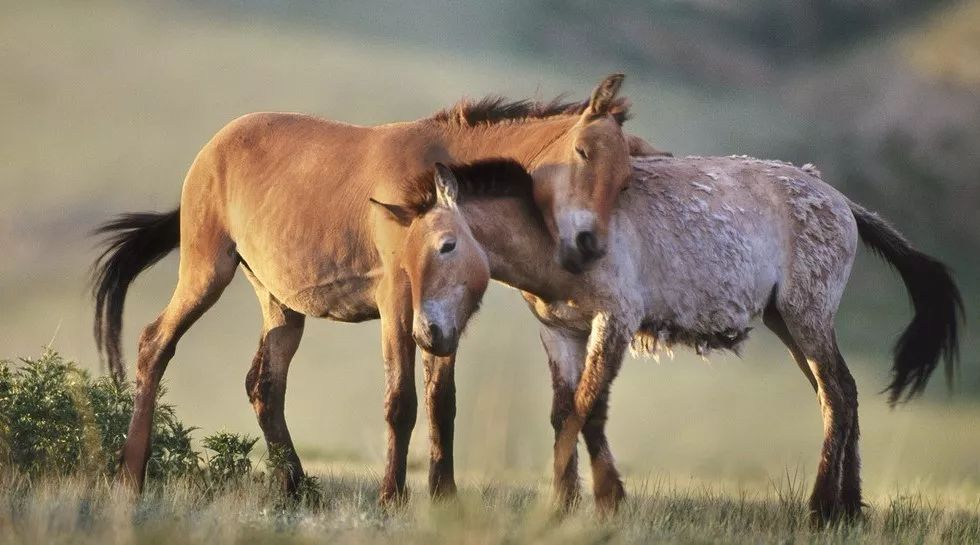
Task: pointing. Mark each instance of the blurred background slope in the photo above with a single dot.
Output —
(105, 104)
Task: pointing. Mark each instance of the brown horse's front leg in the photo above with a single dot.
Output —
(440, 399)
(606, 484)
(606, 347)
(401, 403)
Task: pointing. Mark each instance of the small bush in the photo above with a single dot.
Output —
(54, 419)
(230, 460)
(47, 416)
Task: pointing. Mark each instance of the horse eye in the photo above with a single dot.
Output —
(447, 246)
(581, 153)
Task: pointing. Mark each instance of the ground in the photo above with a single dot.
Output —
(657, 511)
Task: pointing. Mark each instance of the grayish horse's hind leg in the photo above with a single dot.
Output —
(850, 491)
(851, 481)
(774, 321)
(265, 383)
(837, 490)
(566, 357)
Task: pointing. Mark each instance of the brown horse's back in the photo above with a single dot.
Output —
(291, 192)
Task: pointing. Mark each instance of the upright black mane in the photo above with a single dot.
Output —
(494, 109)
(483, 179)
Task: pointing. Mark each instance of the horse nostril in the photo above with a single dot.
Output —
(587, 243)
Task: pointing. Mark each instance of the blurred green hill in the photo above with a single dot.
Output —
(104, 105)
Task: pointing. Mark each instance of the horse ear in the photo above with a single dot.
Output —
(641, 148)
(447, 188)
(403, 215)
(604, 95)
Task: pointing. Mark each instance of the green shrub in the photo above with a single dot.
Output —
(230, 460)
(112, 406)
(6, 391)
(47, 417)
(54, 419)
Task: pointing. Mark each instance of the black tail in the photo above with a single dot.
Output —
(938, 308)
(135, 242)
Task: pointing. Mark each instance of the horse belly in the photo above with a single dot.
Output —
(710, 302)
(323, 284)
(344, 300)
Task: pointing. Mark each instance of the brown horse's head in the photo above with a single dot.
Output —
(579, 177)
(446, 267)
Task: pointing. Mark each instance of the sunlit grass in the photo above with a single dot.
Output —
(107, 104)
(70, 509)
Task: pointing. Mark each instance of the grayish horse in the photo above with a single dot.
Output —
(699, 247)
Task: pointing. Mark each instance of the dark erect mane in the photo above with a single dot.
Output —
(494, 109)
(484, 179)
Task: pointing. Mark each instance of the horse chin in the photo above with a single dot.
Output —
(443, 352)
(573, 261)
(442, 349)
(438, 347)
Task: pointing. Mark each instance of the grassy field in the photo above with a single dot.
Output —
(60, 430)
(658, 511)
(105, 104)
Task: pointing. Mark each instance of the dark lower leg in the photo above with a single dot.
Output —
(566, 464)
(606, 483)
(400, 406)
(851, 478)
(265, 385)
(440, 396)
(154, 354)
(401, 403)
(606, 347)
(826, 501)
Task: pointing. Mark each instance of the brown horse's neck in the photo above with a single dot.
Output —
(517, 244)
(523, 140)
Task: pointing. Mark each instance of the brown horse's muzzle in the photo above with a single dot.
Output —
(435, 338)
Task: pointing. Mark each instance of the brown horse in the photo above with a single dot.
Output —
(287, 197)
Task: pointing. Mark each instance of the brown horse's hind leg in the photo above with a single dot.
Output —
(401, 401)
(566, 357)
(265, 383)
(837, 395)
(440, 399)
(204, 274)
(606, 483)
